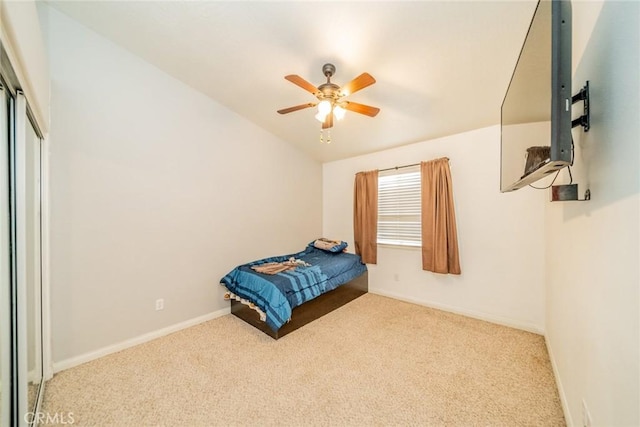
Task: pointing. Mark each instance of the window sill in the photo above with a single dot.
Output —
(402, 247)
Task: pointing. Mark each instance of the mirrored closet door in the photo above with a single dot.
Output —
(21, 368)
(5, 267)
(28, 244)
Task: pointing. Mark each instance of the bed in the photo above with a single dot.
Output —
(280, 294)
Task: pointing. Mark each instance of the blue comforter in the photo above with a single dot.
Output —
(277, 295)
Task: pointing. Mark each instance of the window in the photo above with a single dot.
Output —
(399, 207)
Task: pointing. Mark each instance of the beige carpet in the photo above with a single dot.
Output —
(375, 361)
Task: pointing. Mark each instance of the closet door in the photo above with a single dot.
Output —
(28, 256)
(21, 341)
(5, 265)
(34, 269)
(20, 290)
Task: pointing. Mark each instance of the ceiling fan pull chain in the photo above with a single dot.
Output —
(322, 136)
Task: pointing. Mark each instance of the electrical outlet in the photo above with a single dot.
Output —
(396, 277)
(586, 416)
(159, 304)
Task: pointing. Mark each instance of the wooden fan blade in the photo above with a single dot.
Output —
(328, 121)
(297, 80)
(361, 108)
(360, 82)
(296, 108)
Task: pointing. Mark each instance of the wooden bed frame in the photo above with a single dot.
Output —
(309, 311)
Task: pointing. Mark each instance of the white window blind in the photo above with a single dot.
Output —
(399, 207)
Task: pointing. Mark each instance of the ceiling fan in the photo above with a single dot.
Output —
(330, 96)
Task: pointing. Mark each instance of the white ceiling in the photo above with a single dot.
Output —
(442, 67)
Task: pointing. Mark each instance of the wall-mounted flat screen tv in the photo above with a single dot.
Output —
(536, 111)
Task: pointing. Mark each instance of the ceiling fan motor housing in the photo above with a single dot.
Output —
(328, 91)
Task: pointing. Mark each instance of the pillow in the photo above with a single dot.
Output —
(329, 245)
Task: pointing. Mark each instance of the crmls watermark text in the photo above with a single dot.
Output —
(48, 418)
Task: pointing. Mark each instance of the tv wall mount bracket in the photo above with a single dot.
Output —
(570, 191)
(583, 120)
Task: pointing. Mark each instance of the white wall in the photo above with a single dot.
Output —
(21, 35)
(156, 192)
(501, 236)
(592, 248)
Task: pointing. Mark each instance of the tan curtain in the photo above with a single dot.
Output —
(439, 235)
(365, 216)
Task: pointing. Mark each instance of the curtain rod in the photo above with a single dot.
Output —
(398, 167)
(401, 167)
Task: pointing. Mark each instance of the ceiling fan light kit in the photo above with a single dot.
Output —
(330, 97)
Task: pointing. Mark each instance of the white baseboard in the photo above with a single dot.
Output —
(87, 357)
(33, 376)
(563, 398)
(476, 315)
